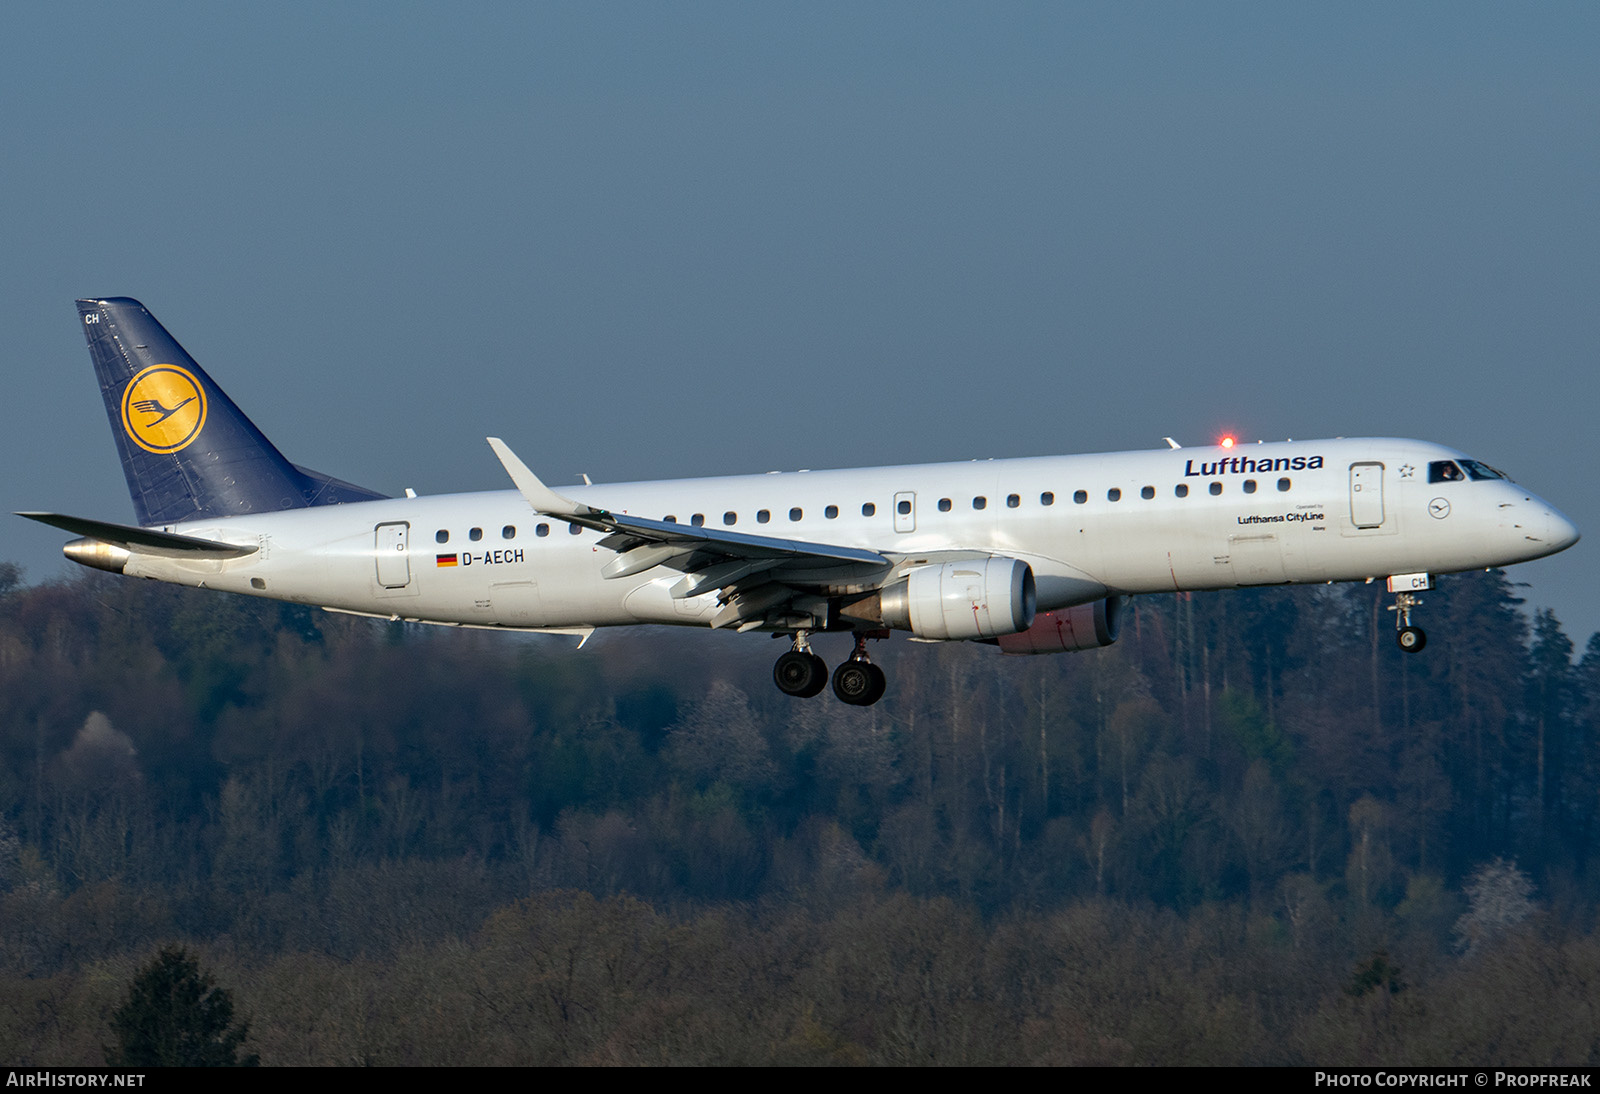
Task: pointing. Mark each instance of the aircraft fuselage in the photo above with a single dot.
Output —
(1089, 526)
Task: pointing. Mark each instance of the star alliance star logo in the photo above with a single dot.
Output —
(1406, 470)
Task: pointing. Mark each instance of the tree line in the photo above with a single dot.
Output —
(1252, 830)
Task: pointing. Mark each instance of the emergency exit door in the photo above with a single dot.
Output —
(905, 511)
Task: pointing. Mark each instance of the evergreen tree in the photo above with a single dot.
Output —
(176, 1016)
(1550, 703)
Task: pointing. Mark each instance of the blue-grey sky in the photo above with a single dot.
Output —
(653, 240)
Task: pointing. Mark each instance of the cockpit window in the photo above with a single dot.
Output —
(1444, 471)
(1480, 471)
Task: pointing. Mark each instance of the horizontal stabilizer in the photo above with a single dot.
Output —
(142, 540)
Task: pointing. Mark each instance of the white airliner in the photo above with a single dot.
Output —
(1032, 555)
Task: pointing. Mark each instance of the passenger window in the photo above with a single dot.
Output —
(869, 509)
(475, 535)
(980, 503)
(831, 512)
(1181, 490)
(1147, 493)
(1444, 471)
(795, 513)
(903, 507)
(944, 505)
(1013, 500)
(1249, 486)
(541, 530)
(1216, 488)
(509, 532)
(730, 517)
(1113, 494)
(698, 520)
(1047, 498)
(441, 536)
(1283, 486)
(669, 519)
(763, 516)
(575, 529)
(1080, 496)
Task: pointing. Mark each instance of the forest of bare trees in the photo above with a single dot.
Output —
(1251, 832)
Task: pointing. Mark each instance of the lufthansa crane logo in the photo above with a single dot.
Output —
(163, 408)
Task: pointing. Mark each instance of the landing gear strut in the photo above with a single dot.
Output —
(858, 681)
(803, 674)
(1411, 639)
(800, 672)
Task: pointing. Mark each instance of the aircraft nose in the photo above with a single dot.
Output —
(1562, 532)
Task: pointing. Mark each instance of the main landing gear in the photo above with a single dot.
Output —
(802, 674)
(858, 681)
(1411, 639)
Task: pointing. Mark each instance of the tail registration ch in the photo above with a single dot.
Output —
(1031, 556)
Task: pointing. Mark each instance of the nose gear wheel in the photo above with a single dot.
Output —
(1410, 639)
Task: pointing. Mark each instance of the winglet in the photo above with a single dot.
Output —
(541, 497)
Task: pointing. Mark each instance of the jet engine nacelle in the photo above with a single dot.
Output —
(1082, 627)
(973, 598)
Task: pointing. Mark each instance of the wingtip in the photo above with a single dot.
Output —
(537, 494)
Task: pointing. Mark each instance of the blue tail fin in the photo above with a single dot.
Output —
(187, 450)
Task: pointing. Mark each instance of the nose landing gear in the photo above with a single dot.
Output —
(1410, 639)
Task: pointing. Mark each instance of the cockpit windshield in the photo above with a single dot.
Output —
(1448, 471)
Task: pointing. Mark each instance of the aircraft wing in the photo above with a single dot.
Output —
(758, 574)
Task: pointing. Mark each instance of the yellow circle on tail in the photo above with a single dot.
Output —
(163, 408)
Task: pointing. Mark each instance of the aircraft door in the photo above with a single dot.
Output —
(1366, 495)
(393, 553)
(905, 511)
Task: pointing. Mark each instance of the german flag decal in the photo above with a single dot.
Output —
(444, 560)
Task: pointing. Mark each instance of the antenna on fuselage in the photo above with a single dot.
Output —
(1171, 443)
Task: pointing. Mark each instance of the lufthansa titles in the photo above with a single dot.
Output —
(1245, 465)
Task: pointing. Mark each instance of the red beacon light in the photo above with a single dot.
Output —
(1227, 440)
